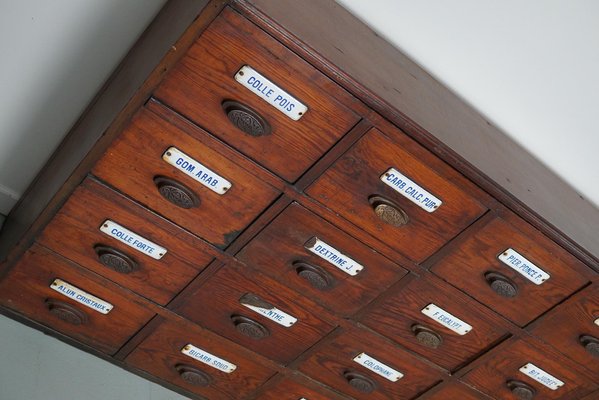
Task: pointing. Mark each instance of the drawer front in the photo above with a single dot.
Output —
(206, 77)
(285, 250)
(357, 187)
(184, 192)
(333, 364)
(215, 367)
(217, 305)
(573, 328)
(476, 268)
(292, 389)
(436, 321)
(457, 391)
(75, 232)
(28, 288)
(504, 375)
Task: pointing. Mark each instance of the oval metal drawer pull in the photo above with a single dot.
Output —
(176, 193)
(501, 284)
(359, 382)
(316, 276)
(192, 375)
(246, 119)
(66, 312)
(521, 390)
(388, 212)
(590, 344)
(426, 336)
(115, 259)
(250, 328)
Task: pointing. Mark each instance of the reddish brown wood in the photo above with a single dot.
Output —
(278, 249)
(332, 360)
(27, 288)
(75, 231)
(466, 267)
(566, 324)
(205, 78)
(491, 377)
(347, 186)
(132, 163)
(454, 390)
(295, 388)
(400, 312)
(160, 353)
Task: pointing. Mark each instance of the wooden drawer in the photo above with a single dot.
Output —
(355, 188)
(75, 233)
(457, 330)
(296, 388)
(136, 167)
(333, 364)
(27, 288)
(501, 377)
(217, 306)
(474, 267)
(332, 279)
(454, 391)
(215, 367)
(206, 77)
(573, 328)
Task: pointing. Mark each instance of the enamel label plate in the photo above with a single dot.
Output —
(272, 313)
(208, 359)
(446, 319)
(132, 239)
(333, 256)
(518, 263)
(80, 296)
(541, 376)
(411, 190)
(378, 367)
(196, 170)
(271, 93)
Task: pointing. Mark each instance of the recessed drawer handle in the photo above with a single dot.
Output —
(501, 284)
(115, 259)
(246, 119)
(521, 390)
(250, 328)
(426, 336)
(591, 344)
(66, 312)
(316, 276)
(359, 382)
(192, 375)
(388, 211)
(177, 193)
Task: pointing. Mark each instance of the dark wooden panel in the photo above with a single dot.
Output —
(564, 327)
(331, 362)
(296, 388)
(26, 289)
(399, 314)
(454, 391)
(135, 159)
(466, 266)
(218, 299)
(280, 248)
(348, 185)
(75, 232)
(160, 353)
(492, 376)
(206, 77)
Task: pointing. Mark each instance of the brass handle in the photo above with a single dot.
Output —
(501, 284)
(590, 344)
(426, 336)
(115, 259)
(521, 390)
(250, 328)
(66, 312)
(316, 276)
(192, 375)
(388, 211)
(176, 193)
(359, 382)
(246, 119)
